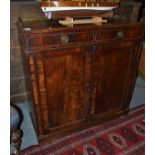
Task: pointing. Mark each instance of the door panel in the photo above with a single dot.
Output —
(110, 74)
(64, 80)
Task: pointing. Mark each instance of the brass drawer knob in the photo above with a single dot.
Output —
(120, 34)
(64, 39)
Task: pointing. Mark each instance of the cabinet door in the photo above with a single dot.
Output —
(115, 66)
(64, 82)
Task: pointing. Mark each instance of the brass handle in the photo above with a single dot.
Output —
(64, 39)
(120, 34)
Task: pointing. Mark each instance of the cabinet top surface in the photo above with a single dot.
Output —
(53, 25)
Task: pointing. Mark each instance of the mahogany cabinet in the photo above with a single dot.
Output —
(81, 75)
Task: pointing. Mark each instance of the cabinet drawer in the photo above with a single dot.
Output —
(58, 38)
(75, 37)
(41, 40)
(118, 34)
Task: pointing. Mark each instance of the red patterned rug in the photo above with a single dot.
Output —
(122, 136)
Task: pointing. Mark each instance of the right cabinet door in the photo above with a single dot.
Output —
(114, 69)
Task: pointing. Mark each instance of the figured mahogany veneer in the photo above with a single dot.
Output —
(80, 75)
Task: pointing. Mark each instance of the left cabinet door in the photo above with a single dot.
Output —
(60, 83)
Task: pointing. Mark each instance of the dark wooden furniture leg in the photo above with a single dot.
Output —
(16, 139)
(16, 132)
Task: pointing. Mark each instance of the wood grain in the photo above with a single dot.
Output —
(142, 62)
(42, 91)
(34, 84)
(64, 84)
(110, 76)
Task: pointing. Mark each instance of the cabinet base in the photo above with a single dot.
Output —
(78, 127)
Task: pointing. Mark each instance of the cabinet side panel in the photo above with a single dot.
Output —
(42, 91)
(34, 84)
(132, 71)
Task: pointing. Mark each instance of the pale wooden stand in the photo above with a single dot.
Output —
(71, 21)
